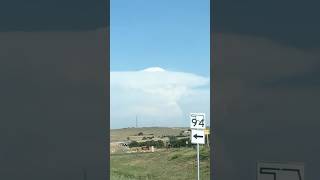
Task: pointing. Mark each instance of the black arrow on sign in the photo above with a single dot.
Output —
(196, 136)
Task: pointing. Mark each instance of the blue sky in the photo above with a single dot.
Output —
(160, 61)
(170, 34)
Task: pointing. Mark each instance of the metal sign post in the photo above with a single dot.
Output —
(198, 161)
(197, 126)
(207, 132)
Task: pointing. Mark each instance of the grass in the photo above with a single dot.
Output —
(175, 164)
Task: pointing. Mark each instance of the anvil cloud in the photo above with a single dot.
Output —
(157, 96)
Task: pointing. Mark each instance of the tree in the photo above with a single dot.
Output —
(157, 144)
(176, 143)
(172, 139)
(134, 144)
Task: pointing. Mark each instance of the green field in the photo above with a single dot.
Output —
(175, 164)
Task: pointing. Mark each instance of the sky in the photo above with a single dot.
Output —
(160, 62)
(143, 36)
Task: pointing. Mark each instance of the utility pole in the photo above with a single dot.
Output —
(136, 121)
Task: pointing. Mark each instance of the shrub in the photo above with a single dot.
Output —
(140, 134)
(157, 144)
(134, 144)
(176, 143)
(174, 157)
(172, 139)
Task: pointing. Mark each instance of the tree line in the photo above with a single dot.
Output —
(174, 142)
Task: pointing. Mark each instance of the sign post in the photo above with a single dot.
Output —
(197, 125)
(207, 132)
(198, 161)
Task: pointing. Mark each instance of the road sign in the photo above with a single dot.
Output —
(197, 125)
(207, 131)
(197, 121)
(280, 171)
(197, 136)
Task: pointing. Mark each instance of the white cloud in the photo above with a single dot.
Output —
(157, 96)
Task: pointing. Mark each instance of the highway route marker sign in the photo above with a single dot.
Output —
(197, 136)
(197, 126)
(197, 121)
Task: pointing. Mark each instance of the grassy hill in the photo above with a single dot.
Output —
(122, 134)
(172, 164)
(175, 164)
